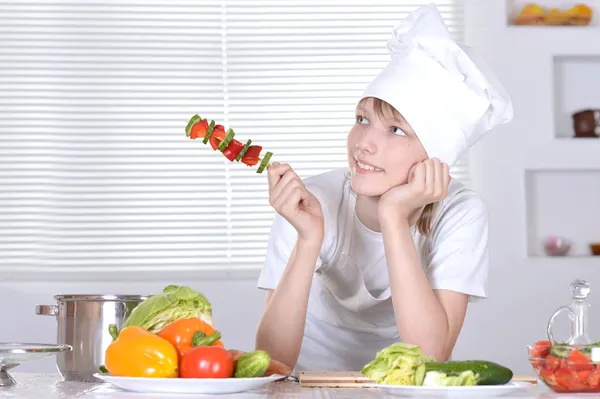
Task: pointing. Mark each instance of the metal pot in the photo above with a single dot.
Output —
(83, 322)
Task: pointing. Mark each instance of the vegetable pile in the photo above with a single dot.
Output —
(405, 364)
(171, 335)
(567, 368)
(198, 128)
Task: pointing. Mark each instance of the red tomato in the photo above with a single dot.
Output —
(584, 374)
(546, 373)
(569, 380)
(553, 362)
(594, 379)
(579, 361)
(206, 362)
(233, 149)
(539, 352)
(199, 129)
(538, 365)
(541, 349)
(217, 136)
(563, 377)
(251, 156)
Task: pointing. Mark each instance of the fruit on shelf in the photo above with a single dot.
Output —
(531, 14)
(580, 14)
(535, 14)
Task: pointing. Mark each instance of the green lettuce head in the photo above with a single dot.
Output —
(174, 303)
(396, 364)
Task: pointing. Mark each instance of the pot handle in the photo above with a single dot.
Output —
(46, 310)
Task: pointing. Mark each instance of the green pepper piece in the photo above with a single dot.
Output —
(200, 339)
(113, 331)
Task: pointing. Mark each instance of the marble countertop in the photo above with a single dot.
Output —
(51, 386)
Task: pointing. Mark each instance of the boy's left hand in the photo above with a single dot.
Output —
(427, 182)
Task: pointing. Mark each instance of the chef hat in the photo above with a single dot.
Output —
(448, 96)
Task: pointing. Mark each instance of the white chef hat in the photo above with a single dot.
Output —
(445, 92)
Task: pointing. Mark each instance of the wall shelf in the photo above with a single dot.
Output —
(569, 154)
(566, 41)
(563, 203)
(576, 82)
(584, 261)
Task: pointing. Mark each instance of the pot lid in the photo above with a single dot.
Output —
(100, 297)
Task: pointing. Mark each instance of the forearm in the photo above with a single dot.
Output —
(281, 328)
(420, 317)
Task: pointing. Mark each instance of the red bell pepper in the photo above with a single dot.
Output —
(199, 129)
(233, 149)
(252, 156)
(217, 136)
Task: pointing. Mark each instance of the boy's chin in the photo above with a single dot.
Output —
(366, 189)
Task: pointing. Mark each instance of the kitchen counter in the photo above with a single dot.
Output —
(51, 386)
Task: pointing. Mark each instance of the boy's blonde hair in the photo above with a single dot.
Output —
(384, 110)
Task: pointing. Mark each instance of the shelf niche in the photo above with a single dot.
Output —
(576, 88)
(574, 213)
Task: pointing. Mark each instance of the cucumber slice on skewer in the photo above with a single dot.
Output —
(264, 162)
(227, 140)
(193, 120)
(241, 154)
(211, 127)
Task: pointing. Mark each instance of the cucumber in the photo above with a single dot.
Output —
(560, 350)
(264, 162)
(211, 127)
(227, 140)
(252, 365)
(193, 120)
(241, 154)
(488, 373)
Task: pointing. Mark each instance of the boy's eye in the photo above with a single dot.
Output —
(362, 120)
(399, 132)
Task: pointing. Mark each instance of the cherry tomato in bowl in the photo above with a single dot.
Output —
(206, 362)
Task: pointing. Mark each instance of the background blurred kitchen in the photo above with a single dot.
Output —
(101, 192)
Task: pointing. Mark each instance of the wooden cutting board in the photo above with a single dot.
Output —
(333, 379)
(352, 379)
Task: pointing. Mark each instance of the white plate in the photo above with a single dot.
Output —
(482, 391)
(210, 386)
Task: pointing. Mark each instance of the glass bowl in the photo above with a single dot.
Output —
(557, 246)
(566, 368)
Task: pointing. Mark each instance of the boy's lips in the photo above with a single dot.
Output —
(365, 167)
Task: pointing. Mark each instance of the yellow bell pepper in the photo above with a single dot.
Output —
(139, 353)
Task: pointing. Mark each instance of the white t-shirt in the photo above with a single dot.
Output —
(454, 257)
(369, 253)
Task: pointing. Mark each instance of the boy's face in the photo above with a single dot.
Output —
(388, 147)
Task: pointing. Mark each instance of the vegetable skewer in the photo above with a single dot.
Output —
(232, 149)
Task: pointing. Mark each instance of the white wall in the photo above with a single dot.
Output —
(523, 290)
